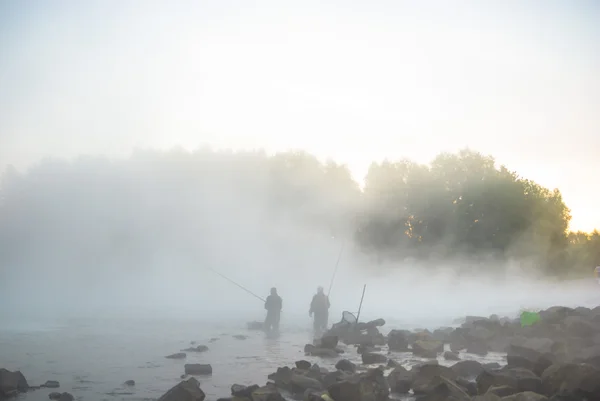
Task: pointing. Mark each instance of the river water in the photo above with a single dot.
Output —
(92, 358)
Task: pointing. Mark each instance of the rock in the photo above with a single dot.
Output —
(517, 378)
(179, 355)
(240, 337)
(267, 393)
(451, 356)
(491, 365)
(427, 349)
(469, 386)
(130, 383)
(371, 358)
(392, 364)
(255, 325)
(443, 389)
(304, 365)
(486, 397)
(238, 390)
(314, 395)
(578, 326)
(310, 349)
(467, 369)
(525, 396)
(54, 396)
(502, 391)
(300, 383)
(346, 366)
(400, 380)
(197, 369)
(398, 340)
(12, 383)
(443, 334)
(199, 348)
(535, 354)
(369, 386)
(423, 377)
(330, 342)
(478, 348)
(66, 397)
(188, 390)
(570, 379)
(51, 384)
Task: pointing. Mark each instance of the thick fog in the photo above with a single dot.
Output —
(139, 237)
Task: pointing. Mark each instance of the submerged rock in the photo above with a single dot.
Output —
(198, 369)
(130, 383)
(51, 384)
(188, 390)
(371, 358)
(199, 348)
(179, 355)
(61, 396)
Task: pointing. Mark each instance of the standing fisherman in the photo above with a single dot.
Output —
(320, 307)
(273, 305)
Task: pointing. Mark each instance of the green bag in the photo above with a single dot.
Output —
(529, 318)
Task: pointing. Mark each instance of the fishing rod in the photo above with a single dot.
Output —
(337, 263)
(361, 301)
(233, 282)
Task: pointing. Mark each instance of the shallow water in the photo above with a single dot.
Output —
(92, 358)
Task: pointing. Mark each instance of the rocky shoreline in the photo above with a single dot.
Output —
(556, 358)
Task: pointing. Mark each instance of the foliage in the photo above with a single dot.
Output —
(459, 205)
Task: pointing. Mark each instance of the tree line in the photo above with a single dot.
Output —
(460, 205)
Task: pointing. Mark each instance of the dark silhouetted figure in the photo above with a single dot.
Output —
(320, 307)
(273, 305)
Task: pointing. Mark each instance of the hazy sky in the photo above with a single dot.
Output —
(355, 81)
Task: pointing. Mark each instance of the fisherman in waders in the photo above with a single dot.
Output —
(320, 307)
(273, 305)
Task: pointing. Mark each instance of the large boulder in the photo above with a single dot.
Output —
(239, 390)
(423, 376)
(525, 396)
(12, 383)
(426, 348)
(370, 358)
(398, 340)
(581, 327)
(267, 393)
(572, 380)
(400, 380)
(188, 390)
(467, 369)
(346, 366)
(517, 378)
(451, 356)
(535, 354)
(443, 389)
(300, 383)
(369, 386)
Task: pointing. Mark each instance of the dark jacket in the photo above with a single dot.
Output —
(319, 304)
(273, 303)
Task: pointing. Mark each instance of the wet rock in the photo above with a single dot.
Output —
(199, 348)
(304, 365)
(400, 380)
(330, 342)
(51, 384)
(310, 349)
(238, 390)
(518, 378)
(451, 356)
(502, 391)
(525, 396)
(427, 349)
(442, 334)
(346, 366)
(12, 383)
(398, 340)
(300, 383)
(467, 369)
(197, 369)
(535, 354)
(66, 397)
(469, 386)
(443, 389)
(188, 390)
(423, 377)
(179, 355)
(371, 358)
(130, 383)
(54, 396)
(240, 337)
(392, 364)
(369, 386)
(570, 380)
(267, 393)
(478, 348)
(255, 325)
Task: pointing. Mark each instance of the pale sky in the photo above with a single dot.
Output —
(357, 81)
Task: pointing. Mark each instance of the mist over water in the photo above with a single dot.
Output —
(137, 237)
